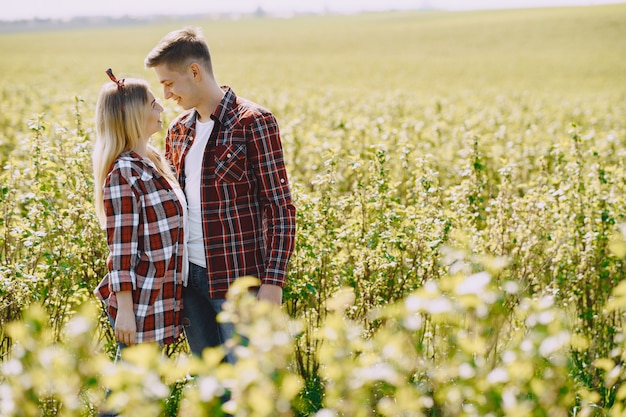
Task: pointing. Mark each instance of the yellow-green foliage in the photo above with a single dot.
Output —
(485, 361)
(68, 377)
(459, 179)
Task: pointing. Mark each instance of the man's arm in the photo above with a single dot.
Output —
(266, 158)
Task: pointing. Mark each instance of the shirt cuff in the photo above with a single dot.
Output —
(122, 281)
(274, 280)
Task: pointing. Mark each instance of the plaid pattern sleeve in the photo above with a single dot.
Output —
(121, 205)
(265, 156)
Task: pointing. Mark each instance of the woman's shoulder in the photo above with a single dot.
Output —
(127, 162)
(131, 167)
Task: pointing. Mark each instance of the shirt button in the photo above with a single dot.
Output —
(229, 156)
(282, 180)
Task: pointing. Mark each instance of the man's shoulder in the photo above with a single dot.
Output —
(244, 106)
(247, 111)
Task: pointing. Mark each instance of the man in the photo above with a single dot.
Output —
(228, 158)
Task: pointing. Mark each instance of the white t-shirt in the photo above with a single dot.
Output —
(183, 202)
(193, 177)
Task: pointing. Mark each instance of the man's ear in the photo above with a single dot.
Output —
(194, 68)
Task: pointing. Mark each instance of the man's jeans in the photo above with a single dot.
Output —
(200, 312)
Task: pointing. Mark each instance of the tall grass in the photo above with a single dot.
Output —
(459, 180)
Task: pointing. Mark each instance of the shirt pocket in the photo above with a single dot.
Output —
(230, 162)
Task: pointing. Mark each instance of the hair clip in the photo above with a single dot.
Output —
(120, 83)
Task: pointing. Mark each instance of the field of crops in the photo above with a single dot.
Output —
(460, 184)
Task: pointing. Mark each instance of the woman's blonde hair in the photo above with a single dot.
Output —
(120, 121)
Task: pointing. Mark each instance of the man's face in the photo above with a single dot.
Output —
(178, 86)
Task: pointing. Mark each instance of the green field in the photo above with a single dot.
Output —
(562, 54)
(460, 181)
(556, 51)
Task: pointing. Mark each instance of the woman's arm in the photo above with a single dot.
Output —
(125, 325)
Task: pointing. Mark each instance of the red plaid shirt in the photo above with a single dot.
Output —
(248, 216)
(144, 232)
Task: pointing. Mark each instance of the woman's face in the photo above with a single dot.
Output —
(153, 116)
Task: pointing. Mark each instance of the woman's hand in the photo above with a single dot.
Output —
(125, 325)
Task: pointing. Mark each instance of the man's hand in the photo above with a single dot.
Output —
(271, 293)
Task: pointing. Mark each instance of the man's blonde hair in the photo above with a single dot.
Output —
(179, 48)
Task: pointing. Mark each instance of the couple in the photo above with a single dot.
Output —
(178, 239)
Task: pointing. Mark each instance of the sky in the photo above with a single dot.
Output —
(60, 9)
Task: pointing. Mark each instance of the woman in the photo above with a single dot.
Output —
(141, 206)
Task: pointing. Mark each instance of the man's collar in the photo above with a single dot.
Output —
(224, 111)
